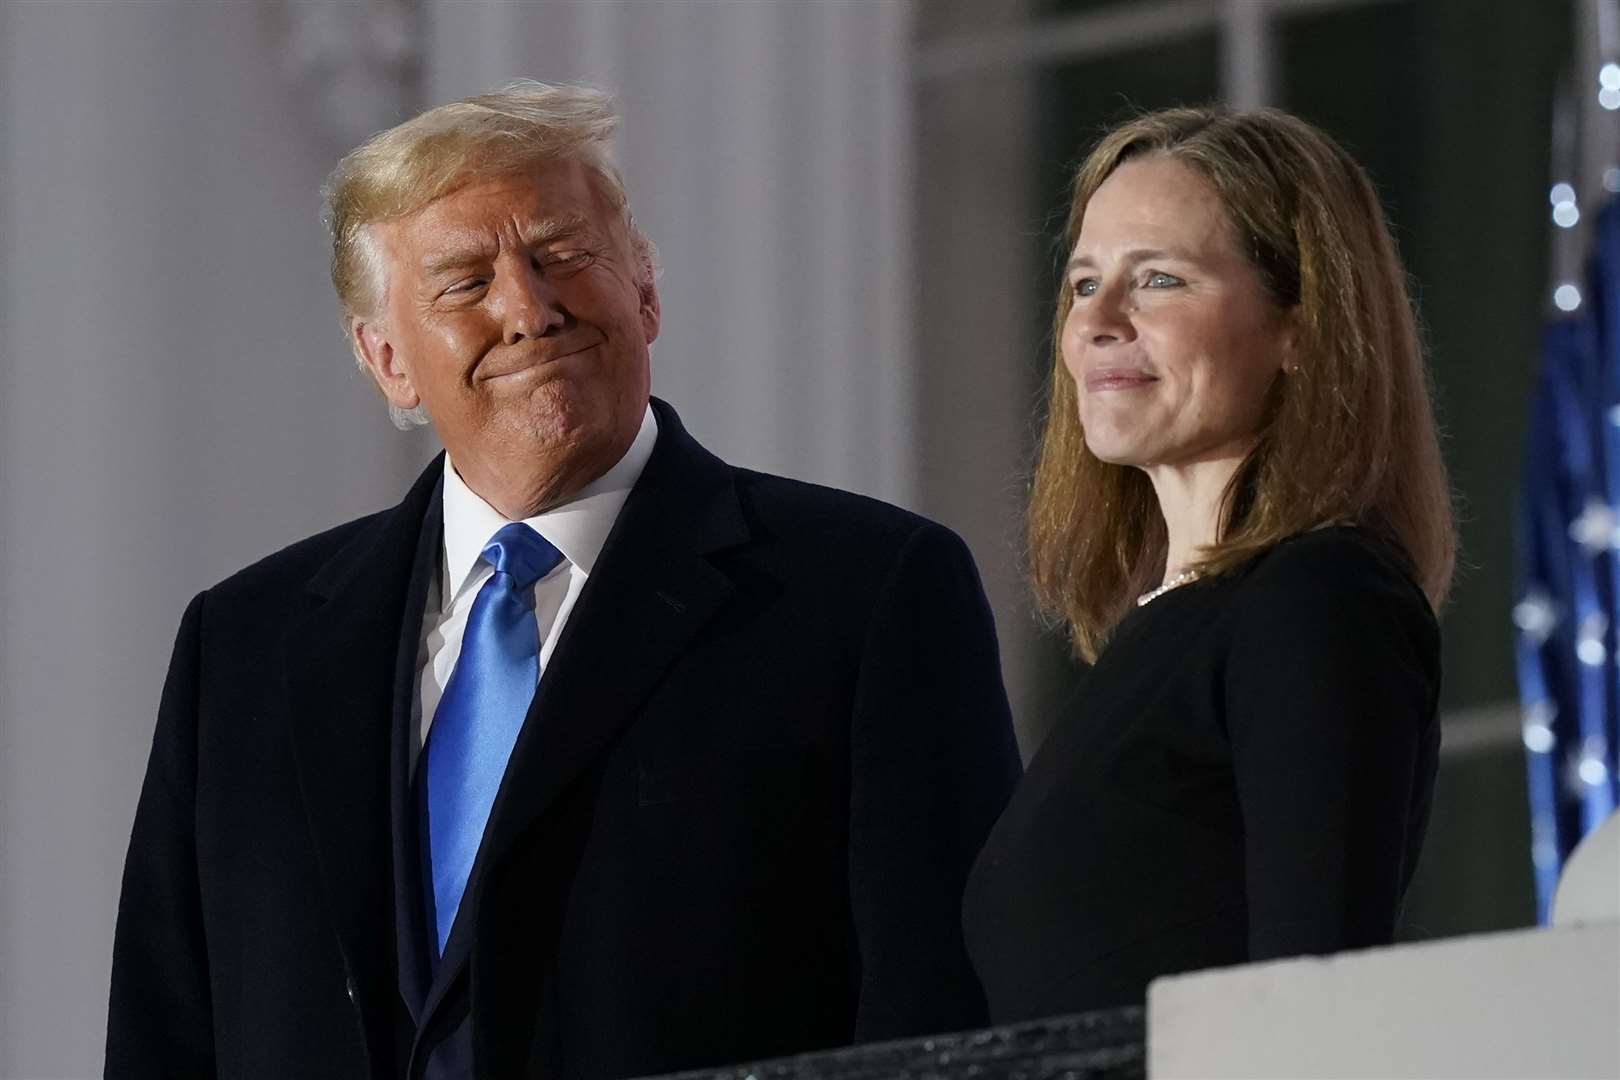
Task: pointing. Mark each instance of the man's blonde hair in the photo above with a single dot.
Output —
(397, 172)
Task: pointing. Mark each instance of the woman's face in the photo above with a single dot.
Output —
(1172, 340)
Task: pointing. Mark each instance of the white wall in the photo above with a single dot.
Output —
(175, 399)
(1525, 1003)
(766, 148)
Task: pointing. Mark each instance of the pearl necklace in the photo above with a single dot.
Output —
(1182, 577)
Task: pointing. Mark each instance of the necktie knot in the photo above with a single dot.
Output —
(521, 552)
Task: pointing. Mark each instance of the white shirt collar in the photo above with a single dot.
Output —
(578, 528)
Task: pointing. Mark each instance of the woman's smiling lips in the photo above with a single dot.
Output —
(1118, 379)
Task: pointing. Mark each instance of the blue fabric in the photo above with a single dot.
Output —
(479, 717)
(1568, 603)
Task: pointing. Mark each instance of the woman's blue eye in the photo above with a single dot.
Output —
(1085, 287)
(1157, 280)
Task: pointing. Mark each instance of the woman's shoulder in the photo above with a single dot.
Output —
(1333, 611)
(1335, 559)
(1341, 578)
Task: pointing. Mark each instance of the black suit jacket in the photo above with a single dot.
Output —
(736, 823)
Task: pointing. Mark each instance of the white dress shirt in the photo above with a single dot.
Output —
(577, 528)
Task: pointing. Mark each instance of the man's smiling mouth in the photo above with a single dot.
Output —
(507, 371)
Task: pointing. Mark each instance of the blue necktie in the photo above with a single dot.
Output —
(478, 719)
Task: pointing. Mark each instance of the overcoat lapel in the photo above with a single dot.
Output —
(410, 919)
(340, 662)
(652, 589)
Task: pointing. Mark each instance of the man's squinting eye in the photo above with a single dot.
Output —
(572, 259)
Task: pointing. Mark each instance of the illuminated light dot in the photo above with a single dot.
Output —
(1567, 297)
(1590, 652)
(1536, 616)
(1609, 76)
(1565, 215)
(1611, 179)
(1592, 771)
(1609, 99)
(1593, 529)
(1561, 193)
(1614, 415)
(1538, 738)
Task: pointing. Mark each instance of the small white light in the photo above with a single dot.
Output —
(1561, 193)
(1589, 648)
(1614, 415)
(1536, 615)
(1565, 215)
(1538, 738)
(1593, 529)
(1611, 179)
(1609, 76)
(1609, 99)
(1567, 297)
(1592, 771)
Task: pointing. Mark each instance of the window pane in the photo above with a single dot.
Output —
(1326, 74)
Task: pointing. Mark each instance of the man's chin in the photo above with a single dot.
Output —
(559, 425)
(553, 422)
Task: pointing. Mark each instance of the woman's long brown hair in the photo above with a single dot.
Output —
(1348, 438)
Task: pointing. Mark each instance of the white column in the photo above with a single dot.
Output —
(175, 401)
(980, 302)
(766, 151)
(1246, 53)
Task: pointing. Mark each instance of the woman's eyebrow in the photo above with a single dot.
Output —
(1135, 255)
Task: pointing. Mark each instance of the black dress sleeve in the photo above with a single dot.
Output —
(1331, 692)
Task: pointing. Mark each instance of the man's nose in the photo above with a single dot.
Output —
(529, 305)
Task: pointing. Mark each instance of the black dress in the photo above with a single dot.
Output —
(1244, 774)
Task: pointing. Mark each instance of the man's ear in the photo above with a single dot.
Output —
(374, 349)
(651, 312)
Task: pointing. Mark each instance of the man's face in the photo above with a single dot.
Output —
(518, 313)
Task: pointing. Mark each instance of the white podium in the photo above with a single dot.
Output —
(1539, 1003)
